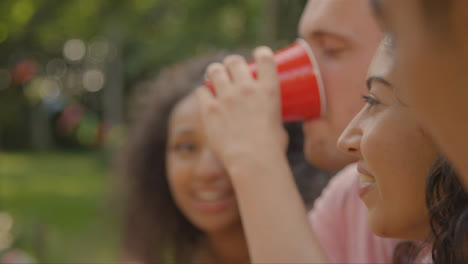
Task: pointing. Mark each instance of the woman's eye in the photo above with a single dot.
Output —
(185, 147)
(370, 100)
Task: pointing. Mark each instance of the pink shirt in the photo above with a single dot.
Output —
(339, 220)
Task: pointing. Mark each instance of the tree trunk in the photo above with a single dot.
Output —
(41, 136)
(268, 32)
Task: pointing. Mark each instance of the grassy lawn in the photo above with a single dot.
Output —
(60, 206)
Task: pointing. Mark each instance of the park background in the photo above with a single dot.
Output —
(67, 69)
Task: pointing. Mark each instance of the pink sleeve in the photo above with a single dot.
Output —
(339, 222)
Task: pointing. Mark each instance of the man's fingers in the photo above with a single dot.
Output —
(206, 100)
(266, 67)
(239, 70)
(217, 74)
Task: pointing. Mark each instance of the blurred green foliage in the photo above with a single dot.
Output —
(152, 32)
(145, 35)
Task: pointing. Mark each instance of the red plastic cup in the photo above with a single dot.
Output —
(301, 86)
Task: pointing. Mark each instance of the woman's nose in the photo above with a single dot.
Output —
(350, 140)
(209, 167)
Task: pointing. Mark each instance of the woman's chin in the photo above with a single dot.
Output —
(388, 229)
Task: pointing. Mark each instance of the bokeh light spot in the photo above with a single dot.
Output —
(93, 80)
(43, 88)
(74, 49)
(49, 89)
(6, 223)
(24, 71)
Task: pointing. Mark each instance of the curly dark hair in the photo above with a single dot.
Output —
(155, 231)
(447, 203)
(153, 225)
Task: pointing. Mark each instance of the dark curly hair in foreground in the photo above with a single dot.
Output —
(447, 204)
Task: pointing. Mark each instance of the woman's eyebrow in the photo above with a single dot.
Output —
(376, 7)
(378, 79)
(183, 131)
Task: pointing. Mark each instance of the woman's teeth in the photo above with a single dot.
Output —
(366, 179)
(209, 196)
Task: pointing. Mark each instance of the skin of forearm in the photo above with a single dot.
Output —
(273, 214)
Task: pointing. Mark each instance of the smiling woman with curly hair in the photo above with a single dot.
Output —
(180, 205)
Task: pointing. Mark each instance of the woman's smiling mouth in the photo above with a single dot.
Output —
(366, 181)
(213, 201)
